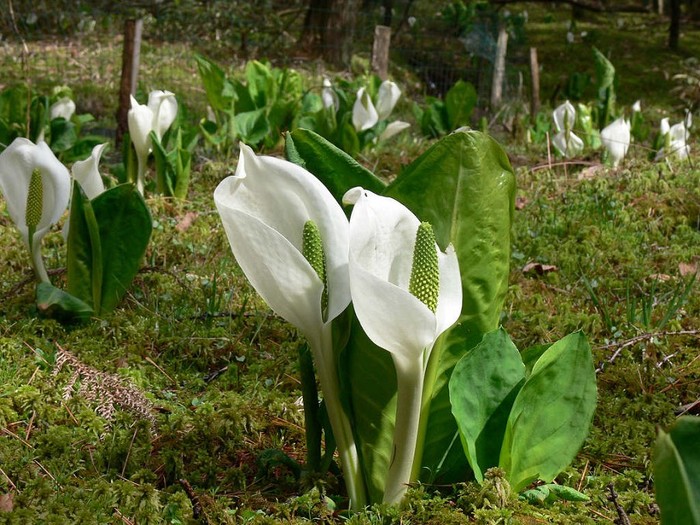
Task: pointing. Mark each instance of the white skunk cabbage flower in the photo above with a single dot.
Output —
(678, 145)
(565, 140)
(406, 292)
(564, 116)
(290, 238)
(637, 106)
(63, 108)
(387, 96)
(163, 104)
(392, 129)
(616, 138)
(364, 114)
(328, 96)
(157, 116)
(36, 187)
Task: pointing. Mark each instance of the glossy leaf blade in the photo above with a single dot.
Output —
(552, 413)
(125, 229)
(677, 472)
(483, 387)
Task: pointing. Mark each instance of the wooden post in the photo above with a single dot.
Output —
(499, 68)
(380, 51)
(535, 76)
(130, 71)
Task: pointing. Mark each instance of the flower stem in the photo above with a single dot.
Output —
(37, 259)
(311, 420)
(141, 172)
(409, 379)
(323, 353)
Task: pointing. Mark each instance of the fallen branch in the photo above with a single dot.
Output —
(622, 518)
(637, 339)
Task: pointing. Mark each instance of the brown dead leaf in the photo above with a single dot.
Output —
(686, 269)
(186, 221)
(7, 502)
(539, 268)
(589, 172)
(661, 277)
(521, 202)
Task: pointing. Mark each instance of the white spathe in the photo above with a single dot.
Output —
(64, 107)
(163, 104)
(17, 163)
(364, 114)
(387, 96)
(328, 96)
(86, 172)
(568, 144)
(616, 138)
(392, 129)
(564, 116)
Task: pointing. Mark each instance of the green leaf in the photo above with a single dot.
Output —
(124, 225)
(261, 83)
(465, 187)
(677, 472)
(56, 304)
(63, 135)
(566, 493)
(552, 413)
(84, 259)
(216, 86)
(252, 126)
(459, 103)
(531, 355)
(337, 170)
(482, 389)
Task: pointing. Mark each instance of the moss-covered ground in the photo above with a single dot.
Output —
(203, 408)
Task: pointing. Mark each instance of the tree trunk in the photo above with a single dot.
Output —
(340, 31)
(130, 69)
(312, 33)
(674, 29)
(499, 68)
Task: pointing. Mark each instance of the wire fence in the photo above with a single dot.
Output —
(81, 47)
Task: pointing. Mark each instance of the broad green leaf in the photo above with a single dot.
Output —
(465, 187)
(125, 229)
(252, 126)
(677, 472)
(56, 304)
(531, 355)
(605, 84)
(459, 103)
(337, 170)
(261, 83)
(63, 135)
(566, 493)
(215, 84)
(482, 389)
(552, 413)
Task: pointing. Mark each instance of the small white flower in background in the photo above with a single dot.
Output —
(163, 104)
(387, 96)
(64, 107)
(616, 138)
(584, 34)
(392, 129)
(688, 119)
(565, 140)
(328, 96)
(564, 116)
(411, 21)
(637, 106)
(678, 144)
(569, 37)
(157, 116)
(364, 114)
(36, 187)
(664, 127)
